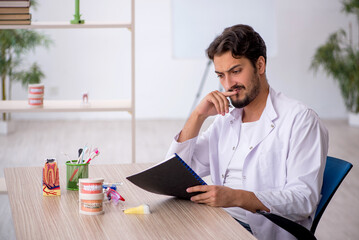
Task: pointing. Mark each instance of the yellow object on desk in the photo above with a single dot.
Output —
(142, 209)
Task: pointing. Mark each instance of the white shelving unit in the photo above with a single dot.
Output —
(67, 106)
(62, 25)
(76, 105)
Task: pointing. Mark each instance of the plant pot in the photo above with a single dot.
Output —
(6, 127)
(353, 119)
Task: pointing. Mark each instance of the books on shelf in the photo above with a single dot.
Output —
(15, 22)
(15, 12)
(22, 3)
(15, 16)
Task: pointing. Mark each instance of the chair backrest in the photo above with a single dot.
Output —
(334, 173)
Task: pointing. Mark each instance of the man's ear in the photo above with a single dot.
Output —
(261, 65)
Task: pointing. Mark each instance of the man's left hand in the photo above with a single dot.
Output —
(213, 195)
(221, 196)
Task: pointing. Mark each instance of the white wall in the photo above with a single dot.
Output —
(96, 60)
(192, 32)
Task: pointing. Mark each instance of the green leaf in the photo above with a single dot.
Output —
(14, 44)
(340, 60)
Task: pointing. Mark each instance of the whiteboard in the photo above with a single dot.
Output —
(195, 23)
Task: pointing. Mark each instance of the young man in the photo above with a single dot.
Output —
(266, 153)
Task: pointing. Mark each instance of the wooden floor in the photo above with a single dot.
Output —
(34, 141)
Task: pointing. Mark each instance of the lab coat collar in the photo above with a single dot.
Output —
(265, 127)
(266, 120)
(269, 109)
(236, 113)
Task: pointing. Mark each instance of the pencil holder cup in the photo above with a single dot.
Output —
(74, 172)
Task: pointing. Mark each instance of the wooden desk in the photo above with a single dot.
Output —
(38, 217)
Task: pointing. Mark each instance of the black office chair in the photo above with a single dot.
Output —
(335, 172)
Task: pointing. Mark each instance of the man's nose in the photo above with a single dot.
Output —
(228, 82)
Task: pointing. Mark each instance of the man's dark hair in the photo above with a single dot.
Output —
(242, 41)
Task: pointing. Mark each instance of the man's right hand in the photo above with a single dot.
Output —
(214, 103)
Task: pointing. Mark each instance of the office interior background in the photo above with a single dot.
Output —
(171, 38)
(96, 60)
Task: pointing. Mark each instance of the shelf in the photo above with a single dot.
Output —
(67, 106)
(77, 105)
(68, 25)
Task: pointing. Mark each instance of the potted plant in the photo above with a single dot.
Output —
(339, 57)
(14, 44)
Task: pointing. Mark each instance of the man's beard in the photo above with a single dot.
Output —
(249, 96)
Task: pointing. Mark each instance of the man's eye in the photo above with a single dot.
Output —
(236, 71)
(220, 76)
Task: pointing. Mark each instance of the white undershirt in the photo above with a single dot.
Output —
(233, 177)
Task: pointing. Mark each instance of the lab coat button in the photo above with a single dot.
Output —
(272, 126)
(250, 148)
(234, 148)
(222, 175)
(231, 122)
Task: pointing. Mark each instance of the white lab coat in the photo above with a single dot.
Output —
(284, 164)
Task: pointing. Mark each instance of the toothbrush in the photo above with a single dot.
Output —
(94, 154)
(84, 151)
(79, 161)
(89, 153)
(73, 174)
